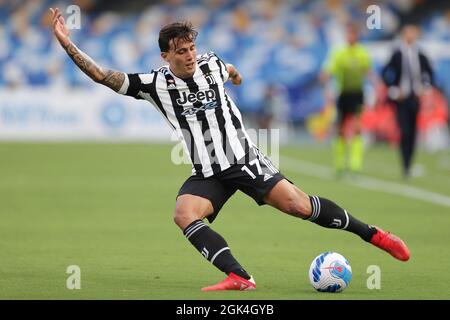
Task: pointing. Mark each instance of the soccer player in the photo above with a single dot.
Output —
(349, 65)
(189, 92)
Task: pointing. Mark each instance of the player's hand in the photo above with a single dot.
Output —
(60, 30)
(236, 79)
(234, 74)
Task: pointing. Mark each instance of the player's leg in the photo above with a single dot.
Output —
(339, 143)
(259, 179)
(189, 213)
(405, 133)
(190, 208)
(291, 200)
(197, 200)
(356, 143)
(411, 131)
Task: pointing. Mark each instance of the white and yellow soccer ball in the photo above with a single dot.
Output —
(330, 272)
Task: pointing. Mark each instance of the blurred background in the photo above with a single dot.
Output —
(280, 46)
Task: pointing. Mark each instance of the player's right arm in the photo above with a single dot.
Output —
(110, 78)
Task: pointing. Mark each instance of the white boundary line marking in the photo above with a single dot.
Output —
(362, 181)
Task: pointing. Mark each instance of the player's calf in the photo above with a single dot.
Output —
(213, 248)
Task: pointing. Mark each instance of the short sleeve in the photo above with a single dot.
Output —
(137, 83)
(222, 68)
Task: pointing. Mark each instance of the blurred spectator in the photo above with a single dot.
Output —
(432, 121)
(270, 41)
(408, 74)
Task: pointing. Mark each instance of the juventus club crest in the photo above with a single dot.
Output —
(210, 79)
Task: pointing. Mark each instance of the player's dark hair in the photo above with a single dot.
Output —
(178, 31)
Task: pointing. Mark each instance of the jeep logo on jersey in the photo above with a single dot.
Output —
(200, 96)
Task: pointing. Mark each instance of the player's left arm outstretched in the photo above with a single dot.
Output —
(110, 78)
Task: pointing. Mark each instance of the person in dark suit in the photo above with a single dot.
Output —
(407, 74)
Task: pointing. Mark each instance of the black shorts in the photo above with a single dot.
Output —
(349, 103)
(255, 175)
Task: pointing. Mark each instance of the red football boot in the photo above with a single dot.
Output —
(391, 244)
(233, 282)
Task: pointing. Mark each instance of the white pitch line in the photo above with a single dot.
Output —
(362, 181)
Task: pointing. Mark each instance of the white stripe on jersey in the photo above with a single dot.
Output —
(231, 130)
(165, 100)
(203, 153)
(146, 78)
(233, 134)
(215, 134)
(170, 114)
(197, 138)
(239, 116)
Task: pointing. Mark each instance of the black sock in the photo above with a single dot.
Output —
(329, 215)
(214, 248)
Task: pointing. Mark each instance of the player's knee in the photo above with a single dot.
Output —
(183, 217)
(180, 218)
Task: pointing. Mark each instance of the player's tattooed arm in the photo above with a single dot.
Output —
(109, 78)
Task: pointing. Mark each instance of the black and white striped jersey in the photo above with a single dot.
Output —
(205, 118)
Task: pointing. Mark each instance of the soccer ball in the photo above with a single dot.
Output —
(330, 272)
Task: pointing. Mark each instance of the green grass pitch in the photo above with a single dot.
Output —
(107, 208)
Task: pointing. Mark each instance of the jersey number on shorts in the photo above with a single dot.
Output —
(250, 173)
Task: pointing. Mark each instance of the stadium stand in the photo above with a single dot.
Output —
(281, 43)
